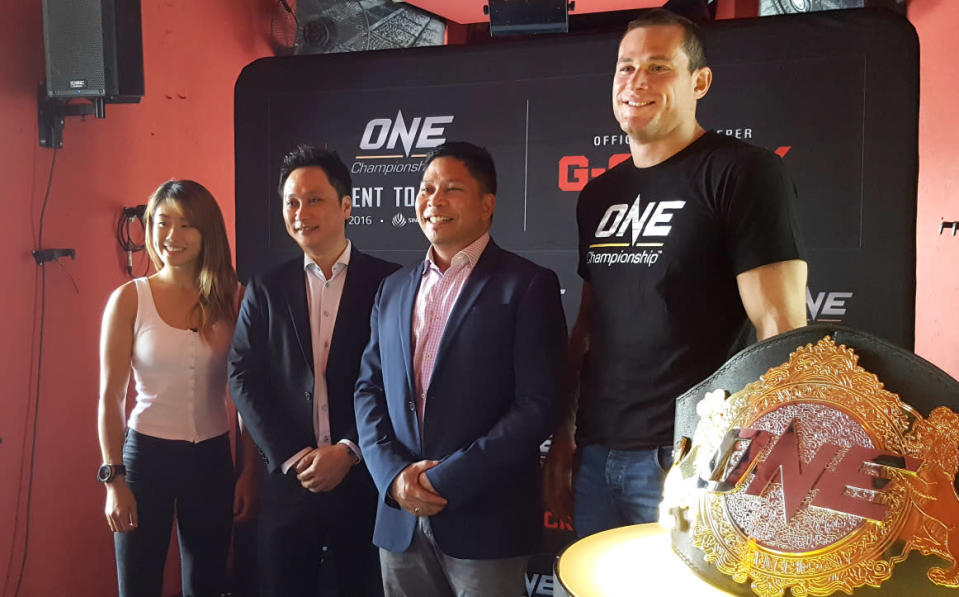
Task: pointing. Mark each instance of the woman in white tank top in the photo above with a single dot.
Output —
(172, 457)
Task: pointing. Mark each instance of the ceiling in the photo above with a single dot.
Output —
(471, 11)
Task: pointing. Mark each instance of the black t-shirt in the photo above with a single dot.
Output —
(661, 247)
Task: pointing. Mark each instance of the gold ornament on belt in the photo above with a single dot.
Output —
(816, 479)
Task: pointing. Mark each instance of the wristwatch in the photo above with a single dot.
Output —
(108, 472)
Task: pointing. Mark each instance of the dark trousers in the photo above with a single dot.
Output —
(194, 481)
(301, 533)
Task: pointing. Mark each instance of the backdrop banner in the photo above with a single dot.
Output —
(834, 94)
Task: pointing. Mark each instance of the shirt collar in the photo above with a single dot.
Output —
(339, 265)
(469, 255)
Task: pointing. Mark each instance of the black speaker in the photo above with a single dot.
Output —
(94, 49)
(527, 17)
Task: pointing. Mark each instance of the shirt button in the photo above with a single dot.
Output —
(326, 345)
(326, 313)
(323, 407)
(307, 396)
(429, 356)
(326, 438)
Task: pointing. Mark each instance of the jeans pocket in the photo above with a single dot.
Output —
(664, 458)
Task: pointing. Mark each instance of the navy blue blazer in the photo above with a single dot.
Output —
(490, 404)
(271, 358)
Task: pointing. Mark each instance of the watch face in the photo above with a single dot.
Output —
(108, 472)
(105, 473)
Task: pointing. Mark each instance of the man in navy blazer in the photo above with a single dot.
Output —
(456, 392)
(294, 360)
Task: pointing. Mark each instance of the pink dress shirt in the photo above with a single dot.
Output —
(323, 303)
(434, 302)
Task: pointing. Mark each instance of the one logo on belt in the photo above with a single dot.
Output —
(847, 481)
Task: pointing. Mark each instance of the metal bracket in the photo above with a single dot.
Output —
(943, 225)
(44, 255)
(52, 111)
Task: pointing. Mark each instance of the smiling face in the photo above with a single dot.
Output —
(176, 240)
(452, 209)
(314, 213)
(654, 94)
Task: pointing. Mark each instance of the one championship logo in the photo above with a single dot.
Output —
(422, 133)
(625, 226)
(841, 478)
(651, 220)
(816, 479)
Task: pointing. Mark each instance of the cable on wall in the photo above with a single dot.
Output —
(42, 256)
(125, 238)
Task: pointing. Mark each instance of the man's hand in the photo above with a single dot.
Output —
(121, 507)
(323, 468)
(244, 496)
(558, 475)
(414, 492)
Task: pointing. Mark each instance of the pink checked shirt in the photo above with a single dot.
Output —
(434, 301)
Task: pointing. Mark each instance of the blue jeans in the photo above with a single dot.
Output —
(196, 482)
(614, 488)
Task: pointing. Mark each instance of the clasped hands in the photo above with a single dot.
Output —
(323, 468)
(413, 491)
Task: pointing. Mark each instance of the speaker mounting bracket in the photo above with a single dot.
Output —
(52, 111)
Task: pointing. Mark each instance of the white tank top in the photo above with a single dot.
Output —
(180, 379)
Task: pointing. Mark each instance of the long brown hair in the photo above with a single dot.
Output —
(215, 276)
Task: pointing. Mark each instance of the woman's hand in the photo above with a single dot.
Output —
(121, 508)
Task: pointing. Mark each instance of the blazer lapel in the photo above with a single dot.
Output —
(346, 316)
(299, 311)
(471, 291)
(407, 301)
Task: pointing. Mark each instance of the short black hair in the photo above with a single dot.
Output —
(477, 160)
(694, 40)
(307, 156)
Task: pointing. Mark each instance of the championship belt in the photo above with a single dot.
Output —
(818, 461)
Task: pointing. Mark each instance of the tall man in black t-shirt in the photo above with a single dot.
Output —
(680, 249)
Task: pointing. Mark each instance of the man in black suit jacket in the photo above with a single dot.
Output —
(456, 392)
(299, 337)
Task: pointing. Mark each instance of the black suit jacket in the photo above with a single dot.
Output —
(271, 359)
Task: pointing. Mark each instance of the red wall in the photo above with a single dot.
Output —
(183, 128)
(193, 52)
(937, 255)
